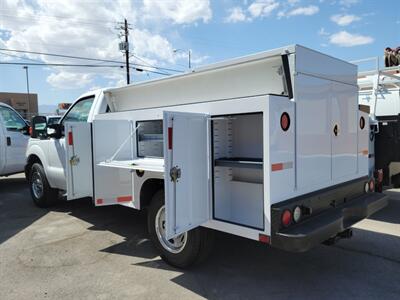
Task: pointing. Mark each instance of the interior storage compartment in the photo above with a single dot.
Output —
(238, 169)
(150, 138)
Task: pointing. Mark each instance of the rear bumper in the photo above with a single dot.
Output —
(316, 229)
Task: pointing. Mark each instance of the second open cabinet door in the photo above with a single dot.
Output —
(187, 171)
(78, 145)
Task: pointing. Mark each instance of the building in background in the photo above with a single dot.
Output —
(25, 104)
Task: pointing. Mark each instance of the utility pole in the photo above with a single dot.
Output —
(27, 88)
(124, 46)
(127, 51)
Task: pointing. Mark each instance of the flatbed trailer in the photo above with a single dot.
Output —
(271, 147)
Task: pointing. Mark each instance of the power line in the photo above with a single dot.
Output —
(61, 65)
(82, 65)
(83, 58)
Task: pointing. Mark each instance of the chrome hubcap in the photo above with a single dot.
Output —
(37, 185)
(174, 245)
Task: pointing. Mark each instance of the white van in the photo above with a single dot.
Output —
(14, 137)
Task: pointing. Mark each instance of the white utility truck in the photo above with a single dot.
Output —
(271, 147)
(380, 90)
(14, 136)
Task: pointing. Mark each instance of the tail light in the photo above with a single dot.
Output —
(286, 218)
(297, 214)
(285, 121)
(371, 185)
(30, 130)
(380, 176)
(366, 187)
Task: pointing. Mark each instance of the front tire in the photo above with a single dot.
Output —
(42, 194)
(183, 251)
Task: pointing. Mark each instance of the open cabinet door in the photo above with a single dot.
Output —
(187, 171)
(78, 137)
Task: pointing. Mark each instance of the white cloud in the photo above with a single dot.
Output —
(348, 3)
(262, 8)
(344, 20)
(293, 2)
(236, 14)
(346, 39)
(304, 10)
(323, 32)
(87, 28)
(68, 80)
(178, 11)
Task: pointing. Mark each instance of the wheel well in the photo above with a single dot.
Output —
(149, 188)
(30, 161)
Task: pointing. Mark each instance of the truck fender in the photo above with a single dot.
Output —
(35, 154)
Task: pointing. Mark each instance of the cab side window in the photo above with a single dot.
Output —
(80, 111)
(12, 121)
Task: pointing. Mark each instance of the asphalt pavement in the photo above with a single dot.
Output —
(77, 251)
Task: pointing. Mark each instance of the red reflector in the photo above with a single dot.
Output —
(124, 199)
(169, 138)
(263, 238)
(99, 201)
(30, 130)
(380, 175)
(371, 185)
(276, 167)
(70, 138)
(286, 218)
(285, 121)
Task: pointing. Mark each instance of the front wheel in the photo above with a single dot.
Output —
(42, 194)
(182, 251)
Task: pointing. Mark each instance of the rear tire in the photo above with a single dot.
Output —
(187, 249)
(42, 194)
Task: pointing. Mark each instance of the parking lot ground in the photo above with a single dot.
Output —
(77, 251)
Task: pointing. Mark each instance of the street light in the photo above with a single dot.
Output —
(27, 88)
(189, 52)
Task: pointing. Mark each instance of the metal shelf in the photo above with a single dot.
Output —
(239, 162)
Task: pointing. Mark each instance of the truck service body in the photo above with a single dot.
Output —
(14, 136)
(271, 147)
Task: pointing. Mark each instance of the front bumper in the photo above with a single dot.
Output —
(328, 223)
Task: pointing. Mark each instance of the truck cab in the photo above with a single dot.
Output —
(14, 136)
(45, 155)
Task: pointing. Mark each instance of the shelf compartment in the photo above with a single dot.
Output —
(239, 162)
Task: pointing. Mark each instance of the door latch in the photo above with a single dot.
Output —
(175, 173)
(74, 160)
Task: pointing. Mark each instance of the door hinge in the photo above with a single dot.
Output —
(74, 160)
(175, 173)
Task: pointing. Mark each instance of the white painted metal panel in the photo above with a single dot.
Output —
(3, 145)
(186, 150)
(113, 185)
(365, 146)
(281, 150)
(313, 130)
(320, 65)
(344, 109)
(79, 160)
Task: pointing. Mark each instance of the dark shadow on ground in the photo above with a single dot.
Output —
(364, 267)
(390, 213)
(16, 211)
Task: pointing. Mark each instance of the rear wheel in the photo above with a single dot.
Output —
(42, 194)
(182, 251)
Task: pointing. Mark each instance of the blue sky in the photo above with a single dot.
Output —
(213, 30)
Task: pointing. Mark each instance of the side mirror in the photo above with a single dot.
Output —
(39, 126)
(26, 130)
(54, 131)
